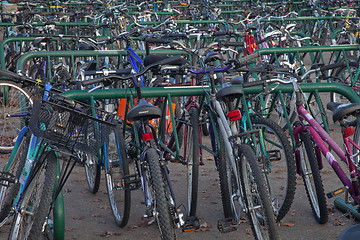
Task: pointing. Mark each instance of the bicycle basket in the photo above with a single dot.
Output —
(64, 122)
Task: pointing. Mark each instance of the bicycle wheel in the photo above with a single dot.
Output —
(344, 76)
(277, 163)
(9, 189)
(192, 160)
(157, 192)
(117, 169)
(224, 171)
(258, 203)
(35, 202)
(312, 179)
(92, 172)
(168, 124)
(278, 113)
(13, 100)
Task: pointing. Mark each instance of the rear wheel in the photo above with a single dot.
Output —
(157, 191)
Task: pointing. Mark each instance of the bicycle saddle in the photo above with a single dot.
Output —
(143, 110)
(237, 80)
(213, 56)
(341, 111)
(229, 92)
(85, 46)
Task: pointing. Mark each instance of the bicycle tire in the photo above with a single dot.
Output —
(37, 198)
(14, 167)
(278, 115)
(14, 100)
(342, 76)
(177, 115)
(223, 170)
(315, 111)
(162, 211)
(279, 160)
(92, 172)
(193, 160)
(258, 203)
(312, 179)
(116, 169)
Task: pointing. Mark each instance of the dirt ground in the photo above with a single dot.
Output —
(88, 216)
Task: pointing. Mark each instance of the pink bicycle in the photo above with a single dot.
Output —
(312, 140)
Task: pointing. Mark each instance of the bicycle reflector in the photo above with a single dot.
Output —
(147, 136)
(234, 115)
(349, 131)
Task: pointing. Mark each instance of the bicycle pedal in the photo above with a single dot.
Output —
(336, 192)
(6, 179)
(274, 155)
(192, 223)
(132, 182)
(226, 225)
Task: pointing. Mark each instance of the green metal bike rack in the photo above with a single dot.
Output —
(86, 53)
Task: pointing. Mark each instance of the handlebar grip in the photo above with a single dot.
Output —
(253, 84)
(332, 66)
(158, 40)
(248, 58)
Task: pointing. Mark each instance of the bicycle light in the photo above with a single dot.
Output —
(234, 115)
(147, 136)
(349, 131)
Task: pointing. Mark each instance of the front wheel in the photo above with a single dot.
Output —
(35, 204)
(12, 170)
(117, 169)
(192, 160)
(15, 103)
(312, 179)
(258, 204)
(92, 172)
(276, 159)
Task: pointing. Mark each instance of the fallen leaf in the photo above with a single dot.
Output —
(288, 224)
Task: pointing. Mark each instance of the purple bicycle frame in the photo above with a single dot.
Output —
(320, 136)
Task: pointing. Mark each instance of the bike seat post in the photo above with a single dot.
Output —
(137, 87)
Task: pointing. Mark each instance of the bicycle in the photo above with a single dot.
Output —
(311, 140)
(55, 127)
(242, 184)
(148, 166)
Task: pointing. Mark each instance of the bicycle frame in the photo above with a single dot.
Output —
(320, 137)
